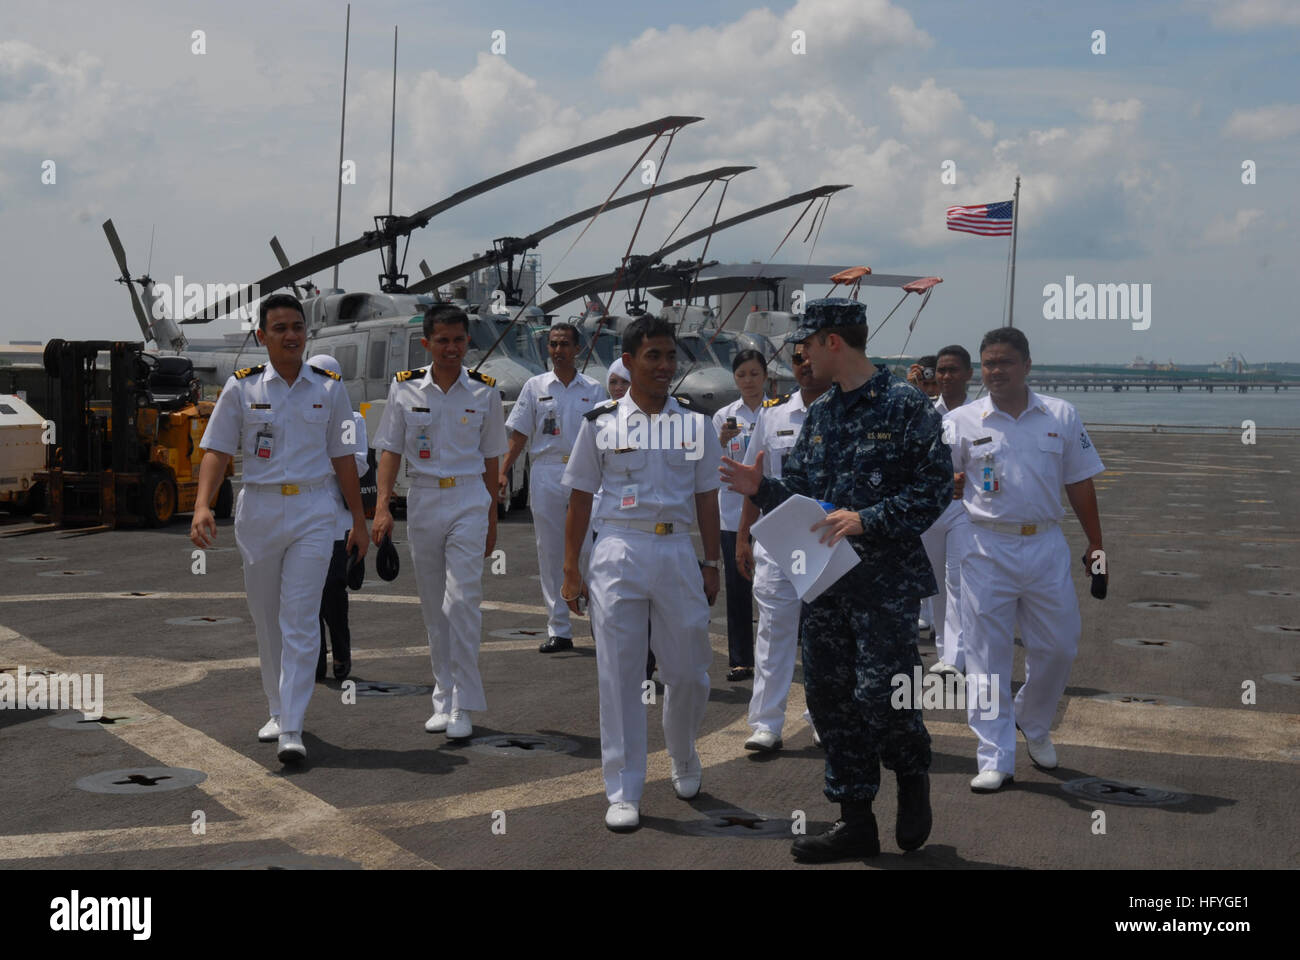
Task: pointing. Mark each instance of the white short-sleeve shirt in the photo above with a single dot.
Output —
(730, 502)
(442, 434)
(645, 469)
(549, 413)
(1031, 457)
(286, 433)
(777, 430)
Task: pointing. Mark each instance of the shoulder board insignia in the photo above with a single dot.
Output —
(603, 408)
(685, 402)
(327, 373)
(776, 401)
(249, 371)
(482, 378)
(405, 375)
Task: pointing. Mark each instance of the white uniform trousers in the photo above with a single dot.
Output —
(1005, 579)
(447, 529)
(286, 543)
(774, 645)
(548, 499)
(640, 578)
(944, 545)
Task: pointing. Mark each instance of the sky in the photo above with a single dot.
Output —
(1133, 161)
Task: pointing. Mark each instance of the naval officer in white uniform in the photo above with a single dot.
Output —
(779, 606)
(546, 418)
(448, 423)
(293, 424)
(656, 465)
(945, 541)
(1018, 449)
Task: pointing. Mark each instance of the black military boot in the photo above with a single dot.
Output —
(913, 824)
(854, 835)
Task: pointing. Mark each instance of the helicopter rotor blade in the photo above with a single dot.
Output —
(398, 227)
(567, 290)
(515, 246)
(119, 253)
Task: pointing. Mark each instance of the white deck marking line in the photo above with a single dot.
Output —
(285, 811)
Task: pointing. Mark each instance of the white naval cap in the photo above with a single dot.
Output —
(325, 362)
(619, 369)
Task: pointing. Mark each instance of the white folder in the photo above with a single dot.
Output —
(810, 566)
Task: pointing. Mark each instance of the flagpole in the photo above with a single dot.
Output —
(1015, 220)
(343, 119)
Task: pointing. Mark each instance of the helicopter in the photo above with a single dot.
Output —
(707, 381)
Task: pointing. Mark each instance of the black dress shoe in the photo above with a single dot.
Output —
(341, 669)
(555, 645)
(913, 824)
(841, 842)
(740, 673)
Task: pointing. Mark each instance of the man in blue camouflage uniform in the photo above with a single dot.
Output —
(872, 446)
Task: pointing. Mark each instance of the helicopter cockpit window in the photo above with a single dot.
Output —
(416, 355)
(347, 358)
(378, 354)
(726, 348)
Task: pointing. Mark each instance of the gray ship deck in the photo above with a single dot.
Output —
(1204, 596)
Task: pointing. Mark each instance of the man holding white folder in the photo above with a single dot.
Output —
(873, 447)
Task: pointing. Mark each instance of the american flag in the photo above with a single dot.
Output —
(986, 219)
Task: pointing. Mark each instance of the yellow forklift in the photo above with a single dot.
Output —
(126, 447)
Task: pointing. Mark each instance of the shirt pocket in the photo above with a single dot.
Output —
(780, 449)
(419, 423)
(255, 422)
(1051, 444)
(316, 412)
(987, 455)
(468, 421)
(624, 466)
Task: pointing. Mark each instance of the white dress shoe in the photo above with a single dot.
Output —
(1042, 752)
(622, 816)
(437, 723)
(687, 777)
(459, 726)
(271, 731)
(946, 670)
(990, 781)
(291, 749)
(764, 740)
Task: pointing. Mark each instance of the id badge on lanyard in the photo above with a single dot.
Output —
(265, 444)
(989, 481)
(424, 447)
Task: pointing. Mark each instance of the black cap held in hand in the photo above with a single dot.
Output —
(356, 569)
(1099, 581)
(386, 564)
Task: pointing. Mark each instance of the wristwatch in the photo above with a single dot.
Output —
(715, 564)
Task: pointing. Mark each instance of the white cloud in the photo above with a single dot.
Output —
(1252, 14)
(755, 52)
(1119, 111)
(50, 105)
(1276, 122)
(930, 111)
(1225, 230)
